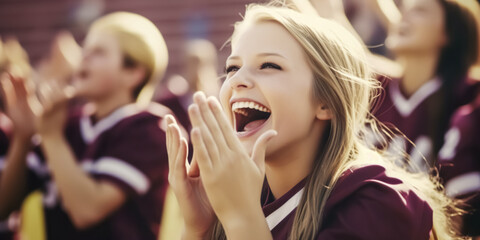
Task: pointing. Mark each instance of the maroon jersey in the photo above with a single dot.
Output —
(418, 117)
(423, 117)
(365, 203)
(179, 106)
(127, 149)
(459, 163)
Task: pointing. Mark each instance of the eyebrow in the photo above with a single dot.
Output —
(259, 55)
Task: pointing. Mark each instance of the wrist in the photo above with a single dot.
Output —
(51, 135)
(247, 224)
(52, 140)
(22, 137)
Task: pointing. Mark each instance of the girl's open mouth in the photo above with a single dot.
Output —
(249, 117)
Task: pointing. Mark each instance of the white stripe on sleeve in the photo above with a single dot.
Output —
(463, 184)
(122, 171)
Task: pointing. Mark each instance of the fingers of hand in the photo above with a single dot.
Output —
(209, 119)
(19, 86)
(15, 93)
(184, 154)
(200, 151)
(51, 94)
(169, 121)
(181, 158)
(8, 89)
(176, 149)
(171, 154)
(224, 124)
(208, 143)
(193, 170)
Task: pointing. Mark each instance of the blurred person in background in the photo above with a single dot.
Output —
(459, 158)
(435, 44)
(199, 74)
(103, 169)
(13, 58)
(367, 24)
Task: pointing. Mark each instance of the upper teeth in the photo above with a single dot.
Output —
(239, 105)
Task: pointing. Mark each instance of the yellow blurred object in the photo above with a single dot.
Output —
(172, 220)
(474, 72)
(13, 58)
(32, 218)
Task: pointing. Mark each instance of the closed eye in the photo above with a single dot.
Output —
(232, 68)
(270, 65)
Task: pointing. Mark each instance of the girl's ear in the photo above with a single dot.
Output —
(323, 112)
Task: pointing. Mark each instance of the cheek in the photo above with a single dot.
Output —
(224, 98)
(293, 126)
(106, 70)
(103, 77)
(105, 65)
(225, 93)
(428, 30)
(96, 87)
(101, 81)
(294, 116)
(421, 37)
(436, 35)
(292, 103)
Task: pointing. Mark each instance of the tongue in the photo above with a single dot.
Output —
(253, 124)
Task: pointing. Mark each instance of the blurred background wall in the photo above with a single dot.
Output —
(35, 23)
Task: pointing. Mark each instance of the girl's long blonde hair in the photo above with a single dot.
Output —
(343, 80)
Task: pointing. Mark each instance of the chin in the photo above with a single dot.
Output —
(82, 91)
(398, 49)
(399, 46)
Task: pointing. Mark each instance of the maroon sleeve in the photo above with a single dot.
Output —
(459, 158)
(134, 156)
(35, 169)
(459, 164)
(368, 204)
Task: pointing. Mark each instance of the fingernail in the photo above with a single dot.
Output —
(169, 118)
(273, 134)
(197, 96)
(194, 107)
(195, 131)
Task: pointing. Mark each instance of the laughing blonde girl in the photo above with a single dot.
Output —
(281, 155)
